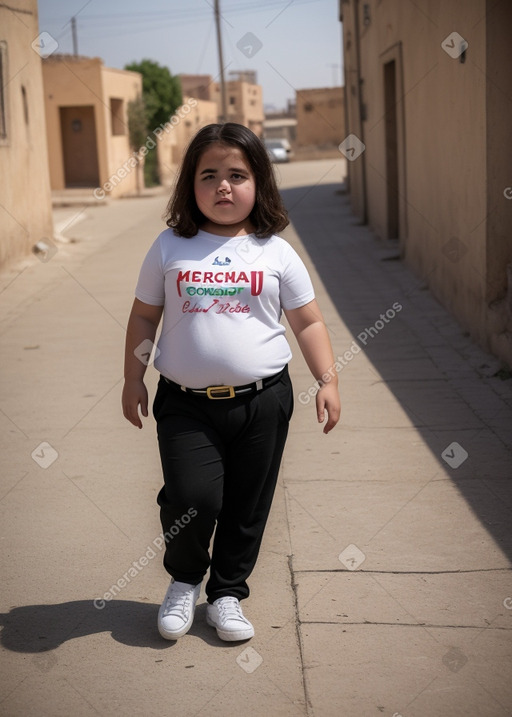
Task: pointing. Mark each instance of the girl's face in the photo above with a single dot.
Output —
(225, 190)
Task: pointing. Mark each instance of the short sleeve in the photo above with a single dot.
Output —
(150, 287)
(296, 288)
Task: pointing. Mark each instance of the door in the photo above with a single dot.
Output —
(391, 140)
(79, 146)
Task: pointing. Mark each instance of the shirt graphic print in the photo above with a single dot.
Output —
(222, 298)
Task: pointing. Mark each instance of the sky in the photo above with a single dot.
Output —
(292, 44)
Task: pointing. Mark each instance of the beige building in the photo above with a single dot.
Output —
(320, 117)
(198, 86)
(244, 100)
(86, 118)
(244, 103)
(430, 151)
(25, 199)
(175, 136)
(280, 128)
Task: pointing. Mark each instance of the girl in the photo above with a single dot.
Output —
(221, 276)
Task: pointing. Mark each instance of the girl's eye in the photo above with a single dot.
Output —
(237, 176)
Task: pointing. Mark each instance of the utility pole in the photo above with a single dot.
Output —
(334, 67)
(224, 109)
(74, 35)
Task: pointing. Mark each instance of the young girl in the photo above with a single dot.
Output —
(221, 276)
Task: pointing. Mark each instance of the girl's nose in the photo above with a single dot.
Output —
(224, 186)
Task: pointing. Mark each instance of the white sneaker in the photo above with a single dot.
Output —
(226, 615)
(176, 614)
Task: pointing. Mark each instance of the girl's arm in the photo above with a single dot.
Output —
(142, 325)
(310, 331)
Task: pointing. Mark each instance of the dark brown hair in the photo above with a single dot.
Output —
(268, 216)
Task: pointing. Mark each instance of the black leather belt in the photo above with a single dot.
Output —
(221, 392)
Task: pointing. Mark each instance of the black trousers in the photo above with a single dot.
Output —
(220, 461)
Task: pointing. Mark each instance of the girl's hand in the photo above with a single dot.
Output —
(328, 399)
(135, 394)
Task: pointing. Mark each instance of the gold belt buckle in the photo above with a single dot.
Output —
(212, 392)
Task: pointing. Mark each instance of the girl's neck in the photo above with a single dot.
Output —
(228, 230)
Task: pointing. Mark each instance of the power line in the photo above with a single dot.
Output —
(179, 16)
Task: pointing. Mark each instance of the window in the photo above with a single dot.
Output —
(308, 107)
(117, 116)
(3, 90)
(232, 100)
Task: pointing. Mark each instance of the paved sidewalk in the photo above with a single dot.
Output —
(384, 577)
(399, 522)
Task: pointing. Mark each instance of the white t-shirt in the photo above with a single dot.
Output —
(222, 301)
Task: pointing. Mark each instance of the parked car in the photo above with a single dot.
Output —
(279, 150)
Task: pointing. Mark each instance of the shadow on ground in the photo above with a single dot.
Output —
(432, 382)
(42, 628)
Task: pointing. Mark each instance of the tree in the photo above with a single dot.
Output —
(162, 96)
(137, 129)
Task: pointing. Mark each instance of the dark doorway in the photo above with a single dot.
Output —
(79, 146)
(391, 136)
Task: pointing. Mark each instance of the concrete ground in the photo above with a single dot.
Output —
(383, 584)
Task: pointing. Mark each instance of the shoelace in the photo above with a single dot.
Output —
(181, 600)
(230, 609)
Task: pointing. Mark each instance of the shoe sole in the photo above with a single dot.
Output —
(174, 635)
(231, 635)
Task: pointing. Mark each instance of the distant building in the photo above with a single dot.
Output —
(87, 123)
(25, 198)
(244, 100)
(430, 156)
(198, 86)
(244, 103)
(187, 120)
(320, 117)
(280, 128)
(250, 76)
